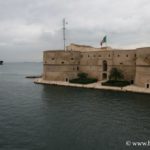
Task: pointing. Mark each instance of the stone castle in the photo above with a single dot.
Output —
(60, 65)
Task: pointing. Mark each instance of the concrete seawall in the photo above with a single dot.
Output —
(97, 85)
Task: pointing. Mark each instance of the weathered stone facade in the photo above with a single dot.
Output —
(62, 65)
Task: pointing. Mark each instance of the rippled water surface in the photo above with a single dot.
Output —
(37, 117)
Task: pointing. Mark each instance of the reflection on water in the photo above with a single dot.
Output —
(96, 117)
(63, 118)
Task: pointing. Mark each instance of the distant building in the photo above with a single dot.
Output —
(62, 65)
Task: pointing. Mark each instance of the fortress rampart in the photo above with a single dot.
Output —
(62, 65)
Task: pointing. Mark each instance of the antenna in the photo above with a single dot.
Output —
(64, 33)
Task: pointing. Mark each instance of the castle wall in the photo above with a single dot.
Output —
(125, 61)
(85, 48)
(74, 47)
(142, 77)
(60, 65)
(97, 63)
(92, 62)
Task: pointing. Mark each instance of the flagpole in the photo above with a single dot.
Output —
(64, 35)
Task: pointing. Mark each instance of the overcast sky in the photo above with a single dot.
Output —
(27, 27)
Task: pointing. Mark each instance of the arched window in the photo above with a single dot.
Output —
(147, 86)
(104, 76)
(104, 65)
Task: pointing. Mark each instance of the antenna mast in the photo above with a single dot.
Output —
(64, 33)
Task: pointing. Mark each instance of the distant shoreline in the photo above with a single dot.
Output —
(97, 85)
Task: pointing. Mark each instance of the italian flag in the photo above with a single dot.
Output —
(104, 40)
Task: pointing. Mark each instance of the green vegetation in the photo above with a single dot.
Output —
(116, 74)
(82, 75)
(83, 79)
(116, 83)
(116, 78)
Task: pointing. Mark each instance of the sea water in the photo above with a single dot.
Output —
(38, 117)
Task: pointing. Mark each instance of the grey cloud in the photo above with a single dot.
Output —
(28, 27)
